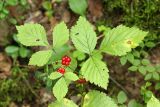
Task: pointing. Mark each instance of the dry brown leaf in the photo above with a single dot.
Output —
(95, 8)
(5, 66)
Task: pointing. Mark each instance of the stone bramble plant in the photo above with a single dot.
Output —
(117, 41)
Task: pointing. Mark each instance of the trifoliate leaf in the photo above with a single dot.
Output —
(153, 102)
(78, 6)
(71, 76)
(64, 103)
(32, 35)
(95, 71)
(121, 40)
(60, 89)
(40, 58)
(55, 75)
(83, 36)
(98, 99)
(60, 35)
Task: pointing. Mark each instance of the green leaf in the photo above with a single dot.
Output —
(134, 103)
(79, 55)
(23, 52)
(142, 70)
(47, 5)
(78, 6)
(54, 75)
(157, 87)
(121, 40)
(60, 35)
(136, 62)
(150, 44)
(136, 54)
(71, 76)
(11, 49)
(32, 35)
(122, 98)
(83, 36)
(145, 62)
(40, 58)
(133, 68)
(60, 52)
(123, 60)
(130, 57)
(60, 89)
(98, 99)
(155, 76)
(153, 102)
(95, 71)
(97, 54)
(148, 76)
(150, 68)
(73, 65)
(12, 2)
(64, 103)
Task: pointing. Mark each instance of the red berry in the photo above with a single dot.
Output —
(81, 81)
(68, 59)
(63, 62)
(67, 63)
(63, 59)
(61, 70)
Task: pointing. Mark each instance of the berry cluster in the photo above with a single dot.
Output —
(66, 60)
(61, 70)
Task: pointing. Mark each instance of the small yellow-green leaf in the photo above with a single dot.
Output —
(40, 58)
(60, 89)
(54, 75)
(71, 76)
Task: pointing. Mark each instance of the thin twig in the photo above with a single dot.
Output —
(118, 84)
(99, 37)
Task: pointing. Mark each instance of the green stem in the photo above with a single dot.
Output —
(83, 95)
(82, 100)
